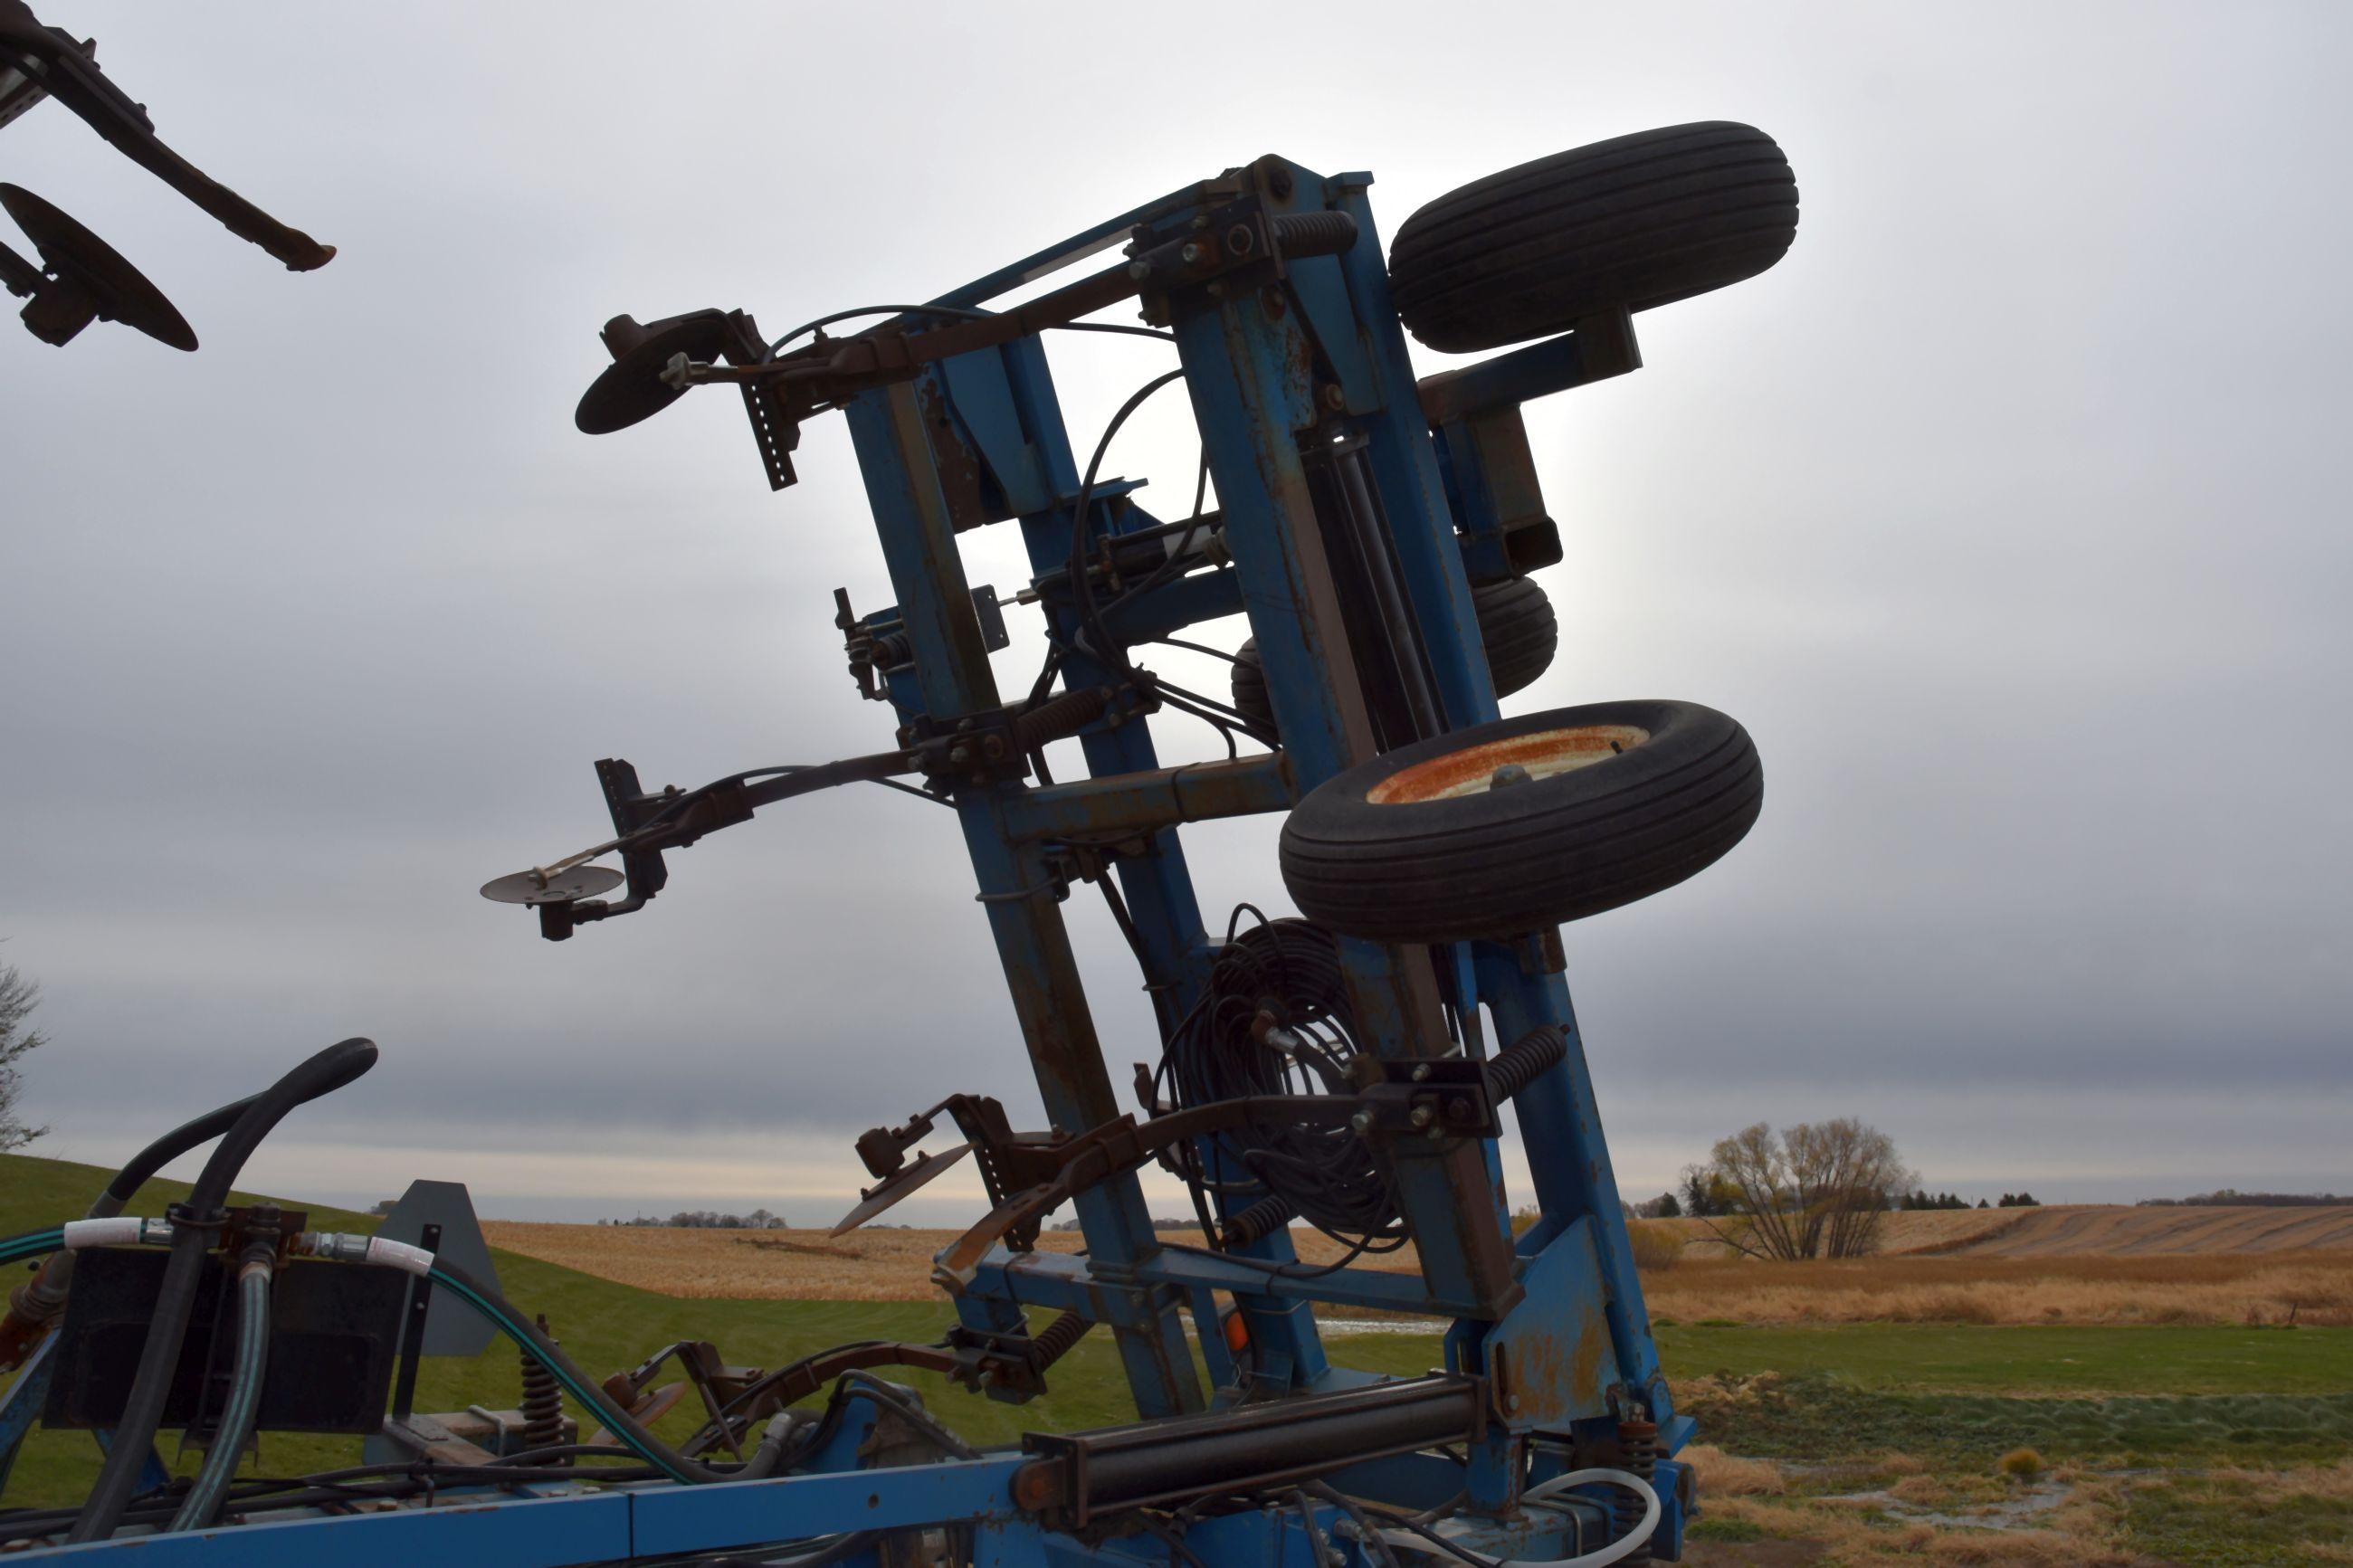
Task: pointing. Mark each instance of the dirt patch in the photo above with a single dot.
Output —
(1755, 1554)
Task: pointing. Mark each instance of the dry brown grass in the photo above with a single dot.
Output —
(2082, 1533)
(1657, 1244)
(877, 1264)
(882, 1264)
(2073, 1229)
(2314, 1288)
(1723, 1475)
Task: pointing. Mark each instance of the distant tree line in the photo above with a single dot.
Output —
(2231, 1197)
(18, 1039)
(1812, 1190)
(709, 1219)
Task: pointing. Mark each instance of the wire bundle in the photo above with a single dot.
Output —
(1276, 1021)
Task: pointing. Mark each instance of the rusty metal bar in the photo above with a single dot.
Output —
(953, 675)
(1122, 804)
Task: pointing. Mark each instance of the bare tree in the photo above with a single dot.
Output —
(18, 997)
(1816, 1189)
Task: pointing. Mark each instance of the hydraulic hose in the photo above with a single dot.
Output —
(142, 1412)
(34, 1305)
(1601, 1557)
(244, 1395)
(513, 1321)
(32, 1244)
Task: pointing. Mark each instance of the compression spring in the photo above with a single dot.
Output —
(1054, 1341)
(1314, 233)
(1060, 717)
(1527, 1058)
(542, 1402)
(1638, 1454)
(1263, 1218)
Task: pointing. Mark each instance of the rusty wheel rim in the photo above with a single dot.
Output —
(1518, 759)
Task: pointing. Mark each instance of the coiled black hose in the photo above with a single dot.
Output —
(193, 1222)
(1286, 974)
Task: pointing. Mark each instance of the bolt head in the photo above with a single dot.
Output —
(1362, 1121)
(1508, 774)
(1190, 254)
(1422, 1116)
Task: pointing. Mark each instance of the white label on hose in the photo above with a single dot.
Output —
(399, 1254)
(123, 1230)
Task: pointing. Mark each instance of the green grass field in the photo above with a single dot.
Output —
(2092, 1395)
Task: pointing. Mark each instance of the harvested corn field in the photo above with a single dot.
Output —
(2064, 1230)
(886, 1265)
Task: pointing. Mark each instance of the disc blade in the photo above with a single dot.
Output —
(631, 387)
(897, 1185)
(80, 257)
(564, 888)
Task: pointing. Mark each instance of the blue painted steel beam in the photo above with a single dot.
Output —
(1157, 886)
(953, 676)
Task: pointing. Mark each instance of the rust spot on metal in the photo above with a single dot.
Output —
(1585, 1355)
(958, 468)
(1471, 770)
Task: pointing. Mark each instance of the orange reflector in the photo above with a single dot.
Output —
(1237, 1332)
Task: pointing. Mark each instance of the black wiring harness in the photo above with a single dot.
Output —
(1275, 1020)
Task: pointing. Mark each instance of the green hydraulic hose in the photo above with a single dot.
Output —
(32, 1244)
(538, 1346)
(244, 1398)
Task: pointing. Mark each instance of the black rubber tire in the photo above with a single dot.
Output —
(1506, 862)
(1515, 622)
(1250, 687)
(1522, 634)
(1627, 224)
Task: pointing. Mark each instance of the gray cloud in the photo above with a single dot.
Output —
(2004, 512)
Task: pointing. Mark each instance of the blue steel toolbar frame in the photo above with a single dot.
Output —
(1553, 1319)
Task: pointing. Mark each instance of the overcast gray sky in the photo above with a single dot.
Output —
(2007, 512)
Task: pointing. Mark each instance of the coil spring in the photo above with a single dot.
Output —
(543, 1401)
(1314, 233)
(1060, 717)
(1520, 1064)
(1263, 1218)
(1054, 1341)
(1638, 1454)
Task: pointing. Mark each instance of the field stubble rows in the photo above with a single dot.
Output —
(2254, 1288)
